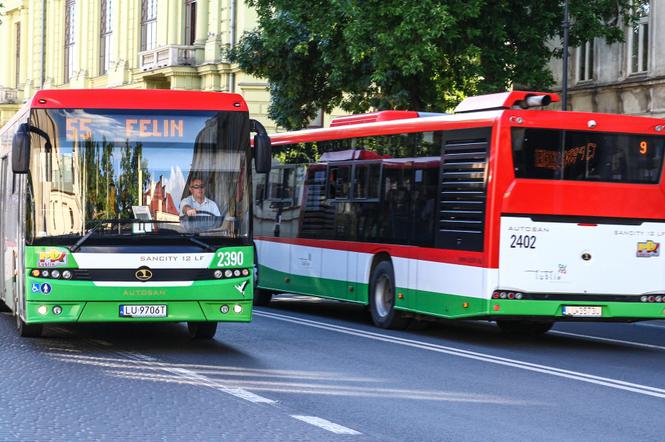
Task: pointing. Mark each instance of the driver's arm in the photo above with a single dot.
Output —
(188, 210)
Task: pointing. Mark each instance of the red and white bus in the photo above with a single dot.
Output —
(502, 211)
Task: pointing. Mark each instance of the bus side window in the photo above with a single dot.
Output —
(339, 182)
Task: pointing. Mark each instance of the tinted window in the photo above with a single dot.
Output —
(587, 156)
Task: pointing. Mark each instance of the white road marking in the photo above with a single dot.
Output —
(325, 424)
(614, 341)
(569, 374)
(646, 324)
(152, 363)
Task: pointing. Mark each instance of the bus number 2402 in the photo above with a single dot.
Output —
(227, 259)
(522, 242)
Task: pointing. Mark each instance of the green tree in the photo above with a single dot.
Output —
(425, 55)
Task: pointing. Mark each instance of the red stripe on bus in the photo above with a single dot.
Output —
(474, 259)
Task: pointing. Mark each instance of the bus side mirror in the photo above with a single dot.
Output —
(262, 153)
(21, 150)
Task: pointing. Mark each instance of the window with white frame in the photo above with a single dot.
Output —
(148, 24)
(638, 39)
(105, 33)
(70, 41)
(190, 22)
(584, 61)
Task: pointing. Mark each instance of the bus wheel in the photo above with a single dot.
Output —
(28, 330)
(202, 330)
(262, 297)
(524, 327)
(382, 298)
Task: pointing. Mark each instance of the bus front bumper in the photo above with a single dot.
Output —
(110, 311)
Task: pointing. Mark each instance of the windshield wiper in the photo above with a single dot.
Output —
(200, 243)
(101, 222)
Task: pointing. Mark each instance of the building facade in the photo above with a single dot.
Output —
(625, 78)
(169, 44)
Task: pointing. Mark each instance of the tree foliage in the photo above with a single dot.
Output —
(400, 54)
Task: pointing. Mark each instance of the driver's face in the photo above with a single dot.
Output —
(197, 188)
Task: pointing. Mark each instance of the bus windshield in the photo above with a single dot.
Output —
(587, 156)
(181, 172)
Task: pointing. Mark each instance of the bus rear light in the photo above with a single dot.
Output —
(245, 272)
(236, 273)
(659, 298)
(652, 298)
(55, 274)
(45, 273)
(587, 225)
(660, 128)
(644, 299)
(228, 273)
(465, 305)
(218, 274)
(497, 308)
(506, 295)
(35, 273)
(67, 274)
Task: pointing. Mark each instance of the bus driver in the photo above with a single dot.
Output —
(197, 203)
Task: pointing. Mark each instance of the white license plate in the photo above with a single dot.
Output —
(582, 311)
(143, 311)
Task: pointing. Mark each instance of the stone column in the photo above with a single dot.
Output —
(201, 22)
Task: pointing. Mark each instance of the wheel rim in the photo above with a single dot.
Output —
(383, 296)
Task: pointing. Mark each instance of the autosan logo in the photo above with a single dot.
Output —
(241, 287)
(143, 274)
(52, 258)
(648, 249)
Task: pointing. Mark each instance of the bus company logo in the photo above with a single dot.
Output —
(52, 258)
(648, 249)
(143, 274)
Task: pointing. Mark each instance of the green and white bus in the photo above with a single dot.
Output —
(128, 205)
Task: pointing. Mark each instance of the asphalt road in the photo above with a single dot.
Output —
(308, 369)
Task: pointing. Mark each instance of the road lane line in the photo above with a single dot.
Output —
(601, 339)
(326, 424)
(153, 363)
(569, 374)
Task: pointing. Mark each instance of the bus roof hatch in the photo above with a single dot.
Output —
(506, 100)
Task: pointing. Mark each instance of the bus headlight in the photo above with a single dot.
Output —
(237, 308)
(57, 310)
(224, 309)
(42, 309)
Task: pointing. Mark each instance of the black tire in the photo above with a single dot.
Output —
(262, 297)
(3, 307)
(524, 327)
(28, 330)
(202, 330)
(382, 298)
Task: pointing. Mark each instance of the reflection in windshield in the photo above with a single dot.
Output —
(184, 168)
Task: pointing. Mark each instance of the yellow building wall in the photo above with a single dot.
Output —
(219, 24)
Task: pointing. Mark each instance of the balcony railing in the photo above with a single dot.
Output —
(8, 96)
(172, 55)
